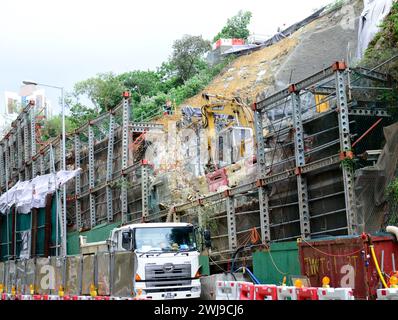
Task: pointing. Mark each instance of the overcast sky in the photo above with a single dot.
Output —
(61, 42)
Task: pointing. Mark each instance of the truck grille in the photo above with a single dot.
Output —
(168, 275)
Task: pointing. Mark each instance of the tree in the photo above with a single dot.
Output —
(105, 91)
(80, 115)
(141, 83)
(236, 27)
(53, 127)
(187, 59)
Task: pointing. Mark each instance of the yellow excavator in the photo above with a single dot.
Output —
(230, 129)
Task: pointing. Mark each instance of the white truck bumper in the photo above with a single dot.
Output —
(171, 293)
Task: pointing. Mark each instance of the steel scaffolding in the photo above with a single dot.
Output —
(307, 212)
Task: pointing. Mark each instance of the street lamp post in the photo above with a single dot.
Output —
(63, 156)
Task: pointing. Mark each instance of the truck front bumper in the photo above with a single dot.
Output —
(170, 293)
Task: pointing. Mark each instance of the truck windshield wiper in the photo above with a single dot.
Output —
(151, 252)
(181, 252)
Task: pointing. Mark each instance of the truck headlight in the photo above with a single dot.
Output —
(195, 289)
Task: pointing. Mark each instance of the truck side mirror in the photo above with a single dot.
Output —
(126, 240)
(207, 238)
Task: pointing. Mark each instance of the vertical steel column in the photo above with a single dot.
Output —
(7, 163)
(2, 169)
(109, 167)
(231, 222)
(125, 146)
(33, 138)
(26, 144)
(91, 177)
(302, 190)
(19, 148)
(42, 164)
(261, 162)
(345, 145)
(12, 154)
(264, 214)
(145, 190)
(60, 155)
(78, 210)
(262, 168)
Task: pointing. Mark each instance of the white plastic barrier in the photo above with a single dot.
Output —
(335, 294)
(387, 294)
(287, 293)
(227, 290)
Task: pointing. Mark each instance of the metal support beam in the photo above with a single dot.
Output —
(26, 144)
(125, 143)
(12, 154)
(345, 146)
(231, 223)
(7, 163)
(91, 176)
(78, 210)
(33, 138)
(42, 164)
(145, 191)
(109, 168)
(264, 214)
(261, 162)
(302, 190)
(264, 103)
(372, 74)
(19, 148)
(2, 169)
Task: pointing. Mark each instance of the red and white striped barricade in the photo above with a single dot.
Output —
(265, 292)
(335, 294)
(287, 293)
(227, 290)
(387, 294)
(307, 294)
(246, 290)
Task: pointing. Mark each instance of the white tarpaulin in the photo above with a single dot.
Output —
(32, 194)
(372, 16)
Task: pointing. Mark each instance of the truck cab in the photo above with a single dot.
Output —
(168, 259)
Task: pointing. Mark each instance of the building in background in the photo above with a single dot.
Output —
(15, 102)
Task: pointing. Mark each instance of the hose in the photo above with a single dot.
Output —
(372, 250)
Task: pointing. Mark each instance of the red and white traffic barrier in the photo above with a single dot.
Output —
(246, 291)
(307, 293)
(335, 294)
(5, 296)
(50, 297)
(387, 294)
(227, 290)
(265, 292)
(287, 293)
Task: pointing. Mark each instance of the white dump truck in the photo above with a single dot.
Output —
(167, 256)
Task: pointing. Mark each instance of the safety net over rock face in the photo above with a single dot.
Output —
(372, 182)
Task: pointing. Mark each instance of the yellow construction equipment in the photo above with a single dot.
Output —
(238, 127)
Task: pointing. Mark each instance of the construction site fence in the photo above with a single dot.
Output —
(106, 274)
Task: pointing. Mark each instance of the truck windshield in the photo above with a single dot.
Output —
(165, 239)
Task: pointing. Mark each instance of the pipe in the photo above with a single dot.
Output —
(372, 250)
(393, 230)
(367, 132)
